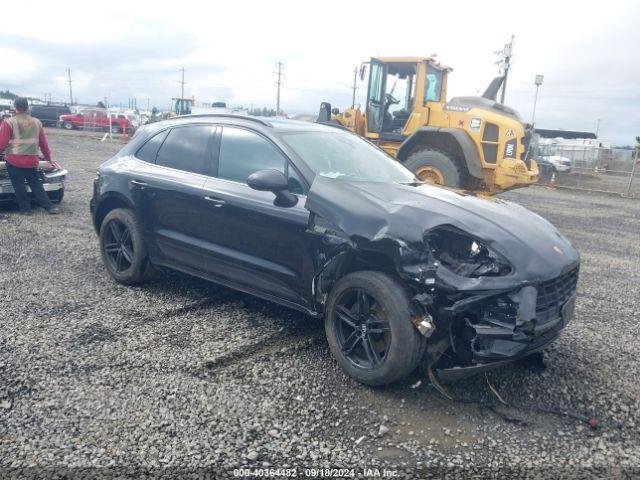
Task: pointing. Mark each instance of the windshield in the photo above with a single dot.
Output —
(343, 155)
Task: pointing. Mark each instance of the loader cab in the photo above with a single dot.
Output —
(182, 106)
(398, 88)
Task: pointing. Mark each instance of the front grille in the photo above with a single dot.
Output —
(553, 294)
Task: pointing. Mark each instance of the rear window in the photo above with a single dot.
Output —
(149, 150)
(187, 148)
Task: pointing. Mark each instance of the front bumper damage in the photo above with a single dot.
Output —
(493, 330)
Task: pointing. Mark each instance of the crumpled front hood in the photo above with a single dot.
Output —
(377, 211)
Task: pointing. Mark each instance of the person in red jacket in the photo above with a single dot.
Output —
(20, 137)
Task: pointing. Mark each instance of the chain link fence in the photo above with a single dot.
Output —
(590, 168)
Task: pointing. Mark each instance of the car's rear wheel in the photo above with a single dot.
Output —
(67, 125)
(123, 249)
(115, 129)
(369, 330)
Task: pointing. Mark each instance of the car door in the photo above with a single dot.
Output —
(250, 241)
(168, 195)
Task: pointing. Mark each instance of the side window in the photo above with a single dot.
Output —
(295, 184)
(149, 150)
(432, 85)
(243, 152)
(186, 148)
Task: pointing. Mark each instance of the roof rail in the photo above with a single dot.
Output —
(229, 115)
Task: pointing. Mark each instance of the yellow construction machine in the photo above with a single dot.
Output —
(471, 143)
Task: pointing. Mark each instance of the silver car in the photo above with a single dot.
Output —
(53, 177)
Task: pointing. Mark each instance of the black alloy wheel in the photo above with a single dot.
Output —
(118, 246)
(362, 332)
(123, 247)
(369, 330)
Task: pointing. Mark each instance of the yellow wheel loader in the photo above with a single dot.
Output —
(470, 143)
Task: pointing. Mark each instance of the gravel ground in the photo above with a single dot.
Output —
(181, 375)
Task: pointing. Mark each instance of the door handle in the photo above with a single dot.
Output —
(138, 184)
(215, 201)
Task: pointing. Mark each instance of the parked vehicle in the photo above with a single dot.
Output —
(318, 219)
(53, 178)
(96, 119)
(49, 114)
(550, 165)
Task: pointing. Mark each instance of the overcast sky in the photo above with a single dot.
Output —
(589, 53)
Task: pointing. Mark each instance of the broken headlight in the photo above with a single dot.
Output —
(465, 255)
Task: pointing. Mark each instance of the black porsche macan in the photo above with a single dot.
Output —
(320, 220)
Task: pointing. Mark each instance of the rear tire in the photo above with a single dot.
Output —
(123, 248)
(426, 158)
(67, 125)
(398, 349)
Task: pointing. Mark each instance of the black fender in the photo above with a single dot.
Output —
(105, 203)
(448, 140)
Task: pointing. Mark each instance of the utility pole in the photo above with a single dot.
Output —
(70, 89)
(355, 87)
(506, 57)
(598, 127)
(279, 73)
(182, 82)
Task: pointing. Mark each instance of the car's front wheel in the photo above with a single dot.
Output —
(67, 125)
(123, 249)
(369, 330)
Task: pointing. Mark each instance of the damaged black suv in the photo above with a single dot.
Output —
(320, 220)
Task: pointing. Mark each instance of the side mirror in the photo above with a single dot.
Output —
(273, 181)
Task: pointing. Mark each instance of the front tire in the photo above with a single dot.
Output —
(436, 167)
(67, 126)
(123, 249)
(369, 329)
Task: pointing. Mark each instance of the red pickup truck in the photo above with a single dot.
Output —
(96, 120)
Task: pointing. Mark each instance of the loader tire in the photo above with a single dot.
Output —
(434, 166)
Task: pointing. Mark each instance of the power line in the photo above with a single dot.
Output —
(279, 73)
(70, 89)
